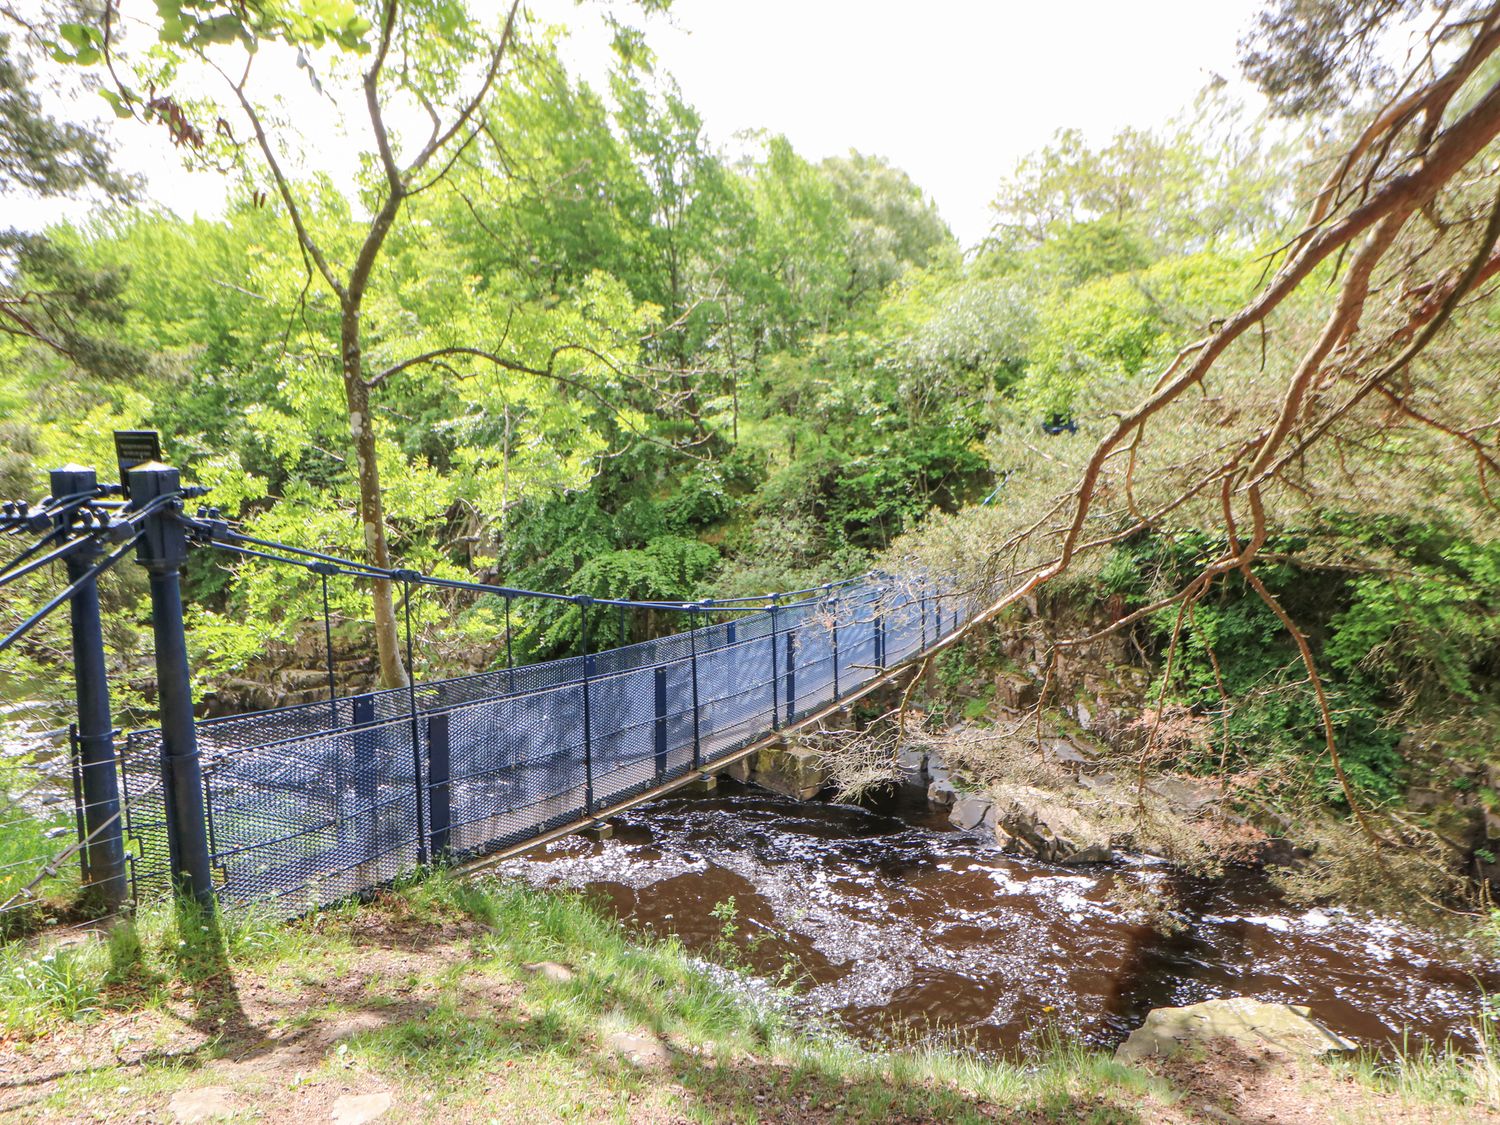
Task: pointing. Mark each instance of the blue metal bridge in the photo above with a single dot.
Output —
(297, 807)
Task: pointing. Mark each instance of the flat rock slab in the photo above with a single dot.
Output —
(640, 1049)
(1252, 1023)
(1190, 797)
(358, 1109)
(207, 1103)
(1066, 753)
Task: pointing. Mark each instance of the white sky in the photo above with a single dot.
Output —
(953, 91)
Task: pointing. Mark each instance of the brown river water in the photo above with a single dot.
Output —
(901, 927)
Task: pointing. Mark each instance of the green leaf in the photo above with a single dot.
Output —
(80, 36)
(221, 29)
(116, 102)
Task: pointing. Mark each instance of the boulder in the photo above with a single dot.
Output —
(941, 793)
(1190, 797)
(359, 1109)
(640, 1049)
(206, 1103)
(1289, 1028)
(794, 770)
(1090, 853)
(970, 813)
(1015, 693)
(1024, 831)
(911, 765)
(1065, 753)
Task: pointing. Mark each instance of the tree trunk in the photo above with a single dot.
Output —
(371, 508)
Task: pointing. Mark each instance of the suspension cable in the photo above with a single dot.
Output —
(86, 577)
(224, 538)
(16, 571)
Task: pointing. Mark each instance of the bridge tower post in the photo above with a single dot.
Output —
(659, 729)
(162, 550)
(439, 797)
(791, 674)
(103, 841)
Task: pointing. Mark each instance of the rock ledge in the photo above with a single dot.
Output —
(1289, 1028)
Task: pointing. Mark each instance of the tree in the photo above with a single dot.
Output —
(1209, 179)
(46, 295)
(1312, 55)
(892, 225)
(551, 193)
(431, 71)
(1298, 405)
(38, 153)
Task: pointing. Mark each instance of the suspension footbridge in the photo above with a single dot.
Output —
(296, 807)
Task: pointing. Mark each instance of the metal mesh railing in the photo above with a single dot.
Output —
(312, 803)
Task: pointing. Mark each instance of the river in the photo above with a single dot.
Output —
(899, 926)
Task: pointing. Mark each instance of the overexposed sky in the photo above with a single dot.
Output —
(954, 92)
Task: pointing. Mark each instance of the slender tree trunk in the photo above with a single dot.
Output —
(371, 507)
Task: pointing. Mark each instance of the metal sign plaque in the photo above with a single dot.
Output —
(135, 447)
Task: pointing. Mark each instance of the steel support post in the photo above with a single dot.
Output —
(791, 674)
(833, 613)
(414, 725)
(659, 678)
(439, 799)
(693, 658)
(162, 550)
(103, 852)
(366, 772)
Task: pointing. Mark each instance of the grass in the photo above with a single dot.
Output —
(29, 840)
(1433, 1076)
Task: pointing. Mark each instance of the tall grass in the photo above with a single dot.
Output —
(75, 975)
(1439, 1076)
(29, 840)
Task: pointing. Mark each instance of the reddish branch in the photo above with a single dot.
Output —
(1395, 169)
